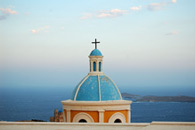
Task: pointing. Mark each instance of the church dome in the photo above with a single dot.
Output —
(96, 98)
(95, 52)
(96, 88)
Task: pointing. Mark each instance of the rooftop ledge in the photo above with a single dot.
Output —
(98, 124)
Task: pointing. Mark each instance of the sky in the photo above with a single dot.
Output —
(146, 44)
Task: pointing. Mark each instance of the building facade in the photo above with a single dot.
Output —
(96, 98)
(58, 116)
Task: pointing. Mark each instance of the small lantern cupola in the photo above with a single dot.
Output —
(95, 61)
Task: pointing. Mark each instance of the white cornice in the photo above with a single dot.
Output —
(95, 56)
(96, 105)
(95, 73)
(100, 103)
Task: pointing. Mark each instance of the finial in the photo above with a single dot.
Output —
(95, 43)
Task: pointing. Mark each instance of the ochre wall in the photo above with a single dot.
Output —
(93, 114)
(108, 114)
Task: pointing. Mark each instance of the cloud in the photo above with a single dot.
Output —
(111, 13)
(8, 11)
(34, 31)
(156, 6)
(173, 33)
(159, 6)
(136, 8)
(87, 16)
(42, 29)
(105, 14)
(174, 1)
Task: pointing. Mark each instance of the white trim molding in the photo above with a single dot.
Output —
(99, 88)
(75, 96)
(83, 115)
(117, 115)
(115, 86)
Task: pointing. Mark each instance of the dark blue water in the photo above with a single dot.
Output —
(163, 111)
(27, 104)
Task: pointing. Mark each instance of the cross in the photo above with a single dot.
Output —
(95, 43)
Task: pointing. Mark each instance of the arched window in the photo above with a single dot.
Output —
(83, 117)
(82, 121)
(94, 66)
(117, 118)
(117, 121)
(100, 66)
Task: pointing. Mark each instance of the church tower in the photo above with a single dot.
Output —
(96, 98)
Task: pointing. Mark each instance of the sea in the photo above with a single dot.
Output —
(39, 104)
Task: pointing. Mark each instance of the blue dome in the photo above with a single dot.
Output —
(95, 52)
(96, 88)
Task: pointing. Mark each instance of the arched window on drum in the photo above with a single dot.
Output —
(94, 66)
(100, 66)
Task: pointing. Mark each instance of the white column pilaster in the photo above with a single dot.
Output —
(64, 116)
(128, 116)
(68, 115)
(91, 62)
(101, 116)
(97, 66)
(101, 65)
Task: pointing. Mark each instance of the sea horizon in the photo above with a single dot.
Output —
(38, 103)
(181, 91)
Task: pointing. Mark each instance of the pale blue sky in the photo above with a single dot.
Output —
(145, 43)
